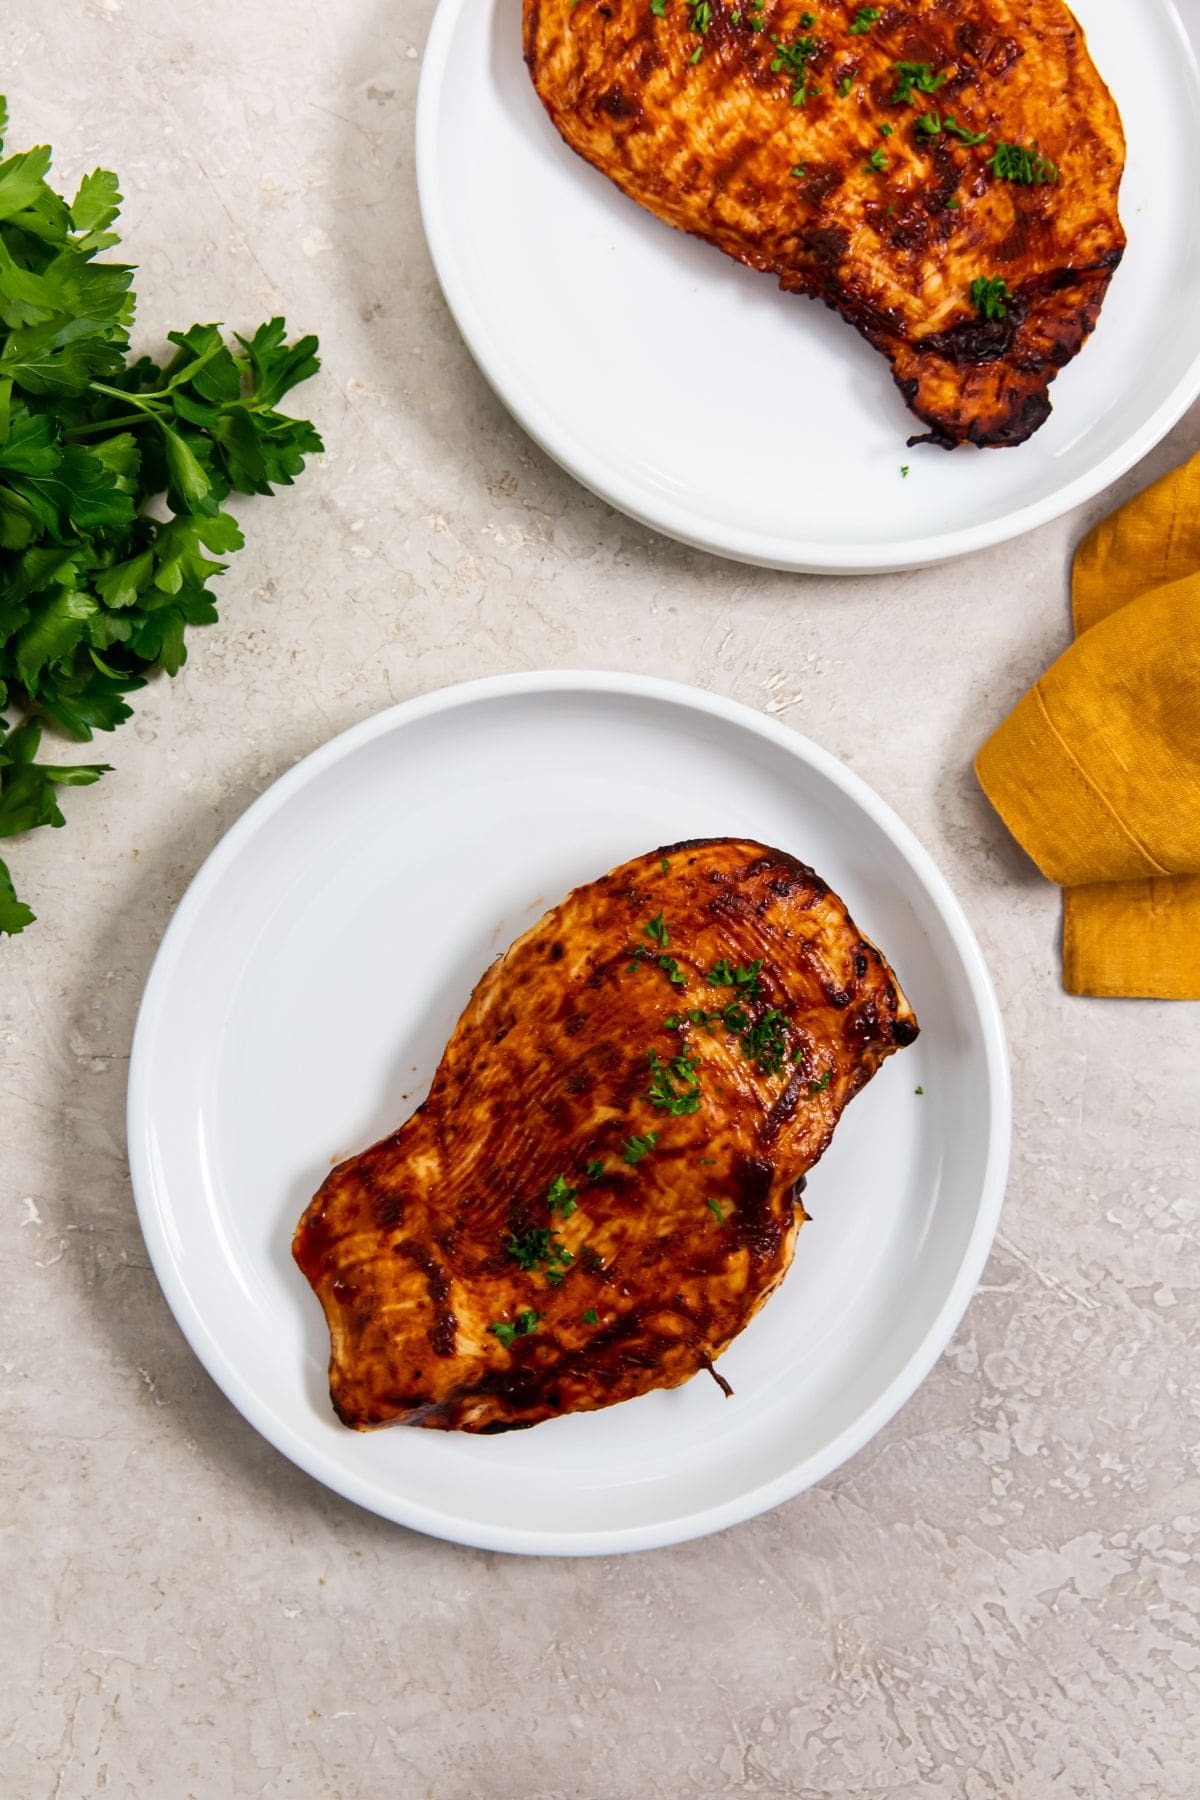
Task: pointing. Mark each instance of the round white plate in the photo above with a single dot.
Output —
(692, 394)
(298, 1007)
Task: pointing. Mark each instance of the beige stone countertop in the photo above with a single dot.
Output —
(997, 1597)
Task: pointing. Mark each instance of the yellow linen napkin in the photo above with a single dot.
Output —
(1097, 771)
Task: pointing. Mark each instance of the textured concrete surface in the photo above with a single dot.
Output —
(998, 1596)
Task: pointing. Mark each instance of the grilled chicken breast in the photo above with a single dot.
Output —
(601, 1188)
(944, 173)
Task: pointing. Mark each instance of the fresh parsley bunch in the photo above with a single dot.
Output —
(113, 478)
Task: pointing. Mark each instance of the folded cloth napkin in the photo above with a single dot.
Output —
(1097, 771)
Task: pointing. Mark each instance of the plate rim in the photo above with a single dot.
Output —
(758, 549)
(154, 1211)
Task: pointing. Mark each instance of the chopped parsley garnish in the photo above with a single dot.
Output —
(591, 1259)
(1012, 162)
(673, 1086)
(915, 77)
(708, 1162)
(877, 161)
(521, 1326)
(665, 866)
(864, 18)
(731, 1017)
(701, 17)
(697, 53)
(845, 84)
(798, 170)
(795, 58)
(714, 1208)
(988, 296)
(591, 1316)
(904, 470)
(659, 8)
(594, 1169)
(674, 973)
(562, 1198)
(932, 124)
(818, 1087)
(531, 1247)
(638, 1147)
(658, 930)
(723, 974)
(538, 1246)
(919, 1090)
(885, 131)
(765, 1042)
(951, 124)
(954, 203)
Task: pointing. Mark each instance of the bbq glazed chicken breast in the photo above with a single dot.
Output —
(601, 1188)
(943, 173)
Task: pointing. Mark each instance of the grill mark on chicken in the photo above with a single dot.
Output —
(670, 1251)
(444, 1330)
(715, 148)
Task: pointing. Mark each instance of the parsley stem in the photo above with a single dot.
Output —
(145, 401)
(188, 372)
(138, 418)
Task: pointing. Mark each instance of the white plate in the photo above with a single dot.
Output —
(692, 394)
(301, 999)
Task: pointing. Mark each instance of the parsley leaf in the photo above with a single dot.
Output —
(524, 1323)
(673, 1086)
(561, 1198)
(918, 77)
(1012, 162)
(27, 796)
(795, 58)
(964, 132)
(672, 971)
(638, 1147)
(14, 914)
(745, 976)
(765, 1042)
(529, 1248)
(989, 294)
